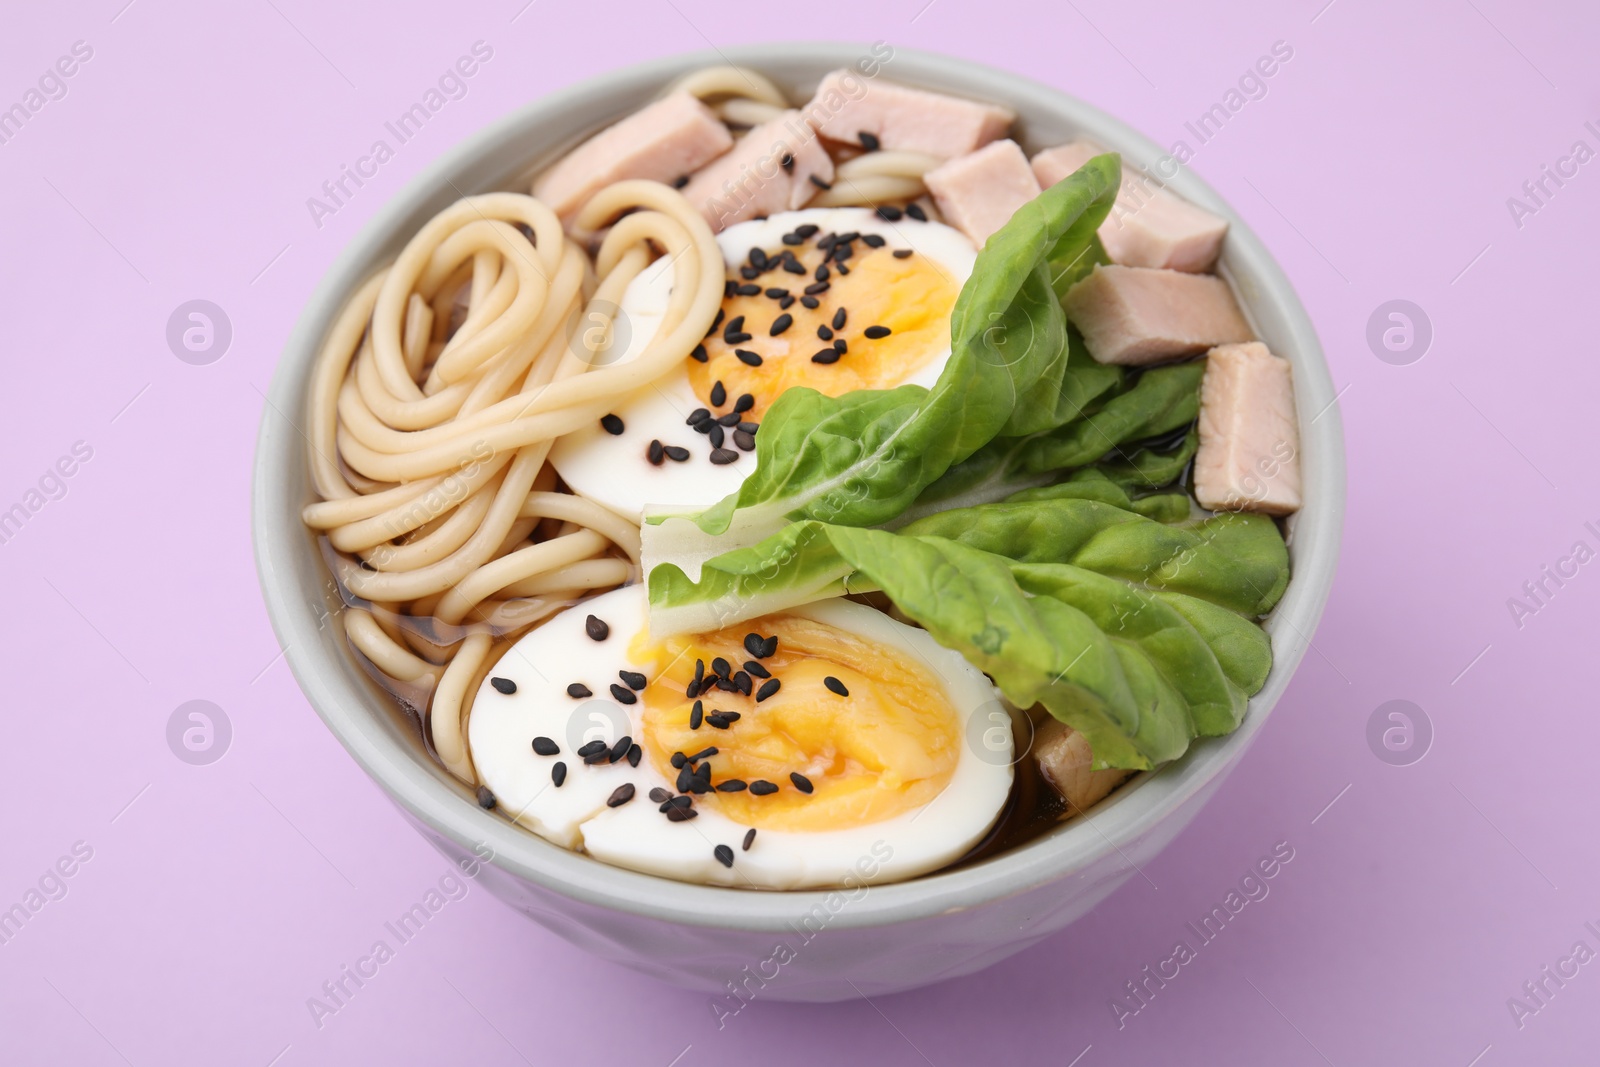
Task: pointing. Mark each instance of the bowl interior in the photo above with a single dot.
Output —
(302, 600)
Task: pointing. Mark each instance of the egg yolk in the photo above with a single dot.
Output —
(912, 297)
(888, 747)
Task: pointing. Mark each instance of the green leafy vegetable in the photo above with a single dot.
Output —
(1130, 639)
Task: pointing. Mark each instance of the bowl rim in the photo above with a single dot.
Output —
(442, 805)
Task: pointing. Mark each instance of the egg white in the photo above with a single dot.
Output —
(612, 469)
(638, 836)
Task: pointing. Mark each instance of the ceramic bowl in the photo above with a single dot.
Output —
(739, 945)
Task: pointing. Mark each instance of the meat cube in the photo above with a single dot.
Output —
(674, 136)
(979, 192)
(1249, 457)
(752, 180)
(1136, 315)
(1065, 758)
(1149, 226)
(902, 118)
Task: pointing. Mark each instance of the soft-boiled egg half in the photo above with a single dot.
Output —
(827, 744)
(836, 299)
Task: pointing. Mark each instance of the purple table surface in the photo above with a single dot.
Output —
(1436, 911)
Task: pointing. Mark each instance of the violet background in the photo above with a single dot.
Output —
(220, 897)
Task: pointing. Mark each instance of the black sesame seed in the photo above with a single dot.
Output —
(730, 419)
(743, 441)
(794, 267)
(623, 695)
(749, 273)
(769, 647)
(916, 212)
(590, 748)
(655, 454)
(635, 754)
(835, 686)
(596, 629)
(598, 757)
(691, 690)
(827, 241)
(750, 427)
(753, 643)
(761, 787)
(620, 795)
(902, 253)
(841, 252)
(679, 760)
(724, 855)
(659, 795)
(749, 839)
(890, 213)
(634, 679)
(723, 456)
(697, 416)
(704, 425)
(668, 801)
(676, 453)
(620, 750)
(811, 302)
(612, 424)
(758, 259)
(714, 431)
(781, 323)
(869, 141)
(697, 787)
(749, 289)
(742, 680)
(816, 288)
(486, 799)
(827, 355)
(786, 303)
(808, 230)
(716, 322)
(875, 333)
(503, 685)
(818, 182)
(793, 239)
(734, 325)
(840, 346)
(558, 774)
(787, 162)
(731, 785)
(729, 288)
(843, 269)
(747, 357)
(756, 669)
(719, 720)
(544, 746)
(801, 782)
(744, 403)
(704, 753)
(839, 318)
(873, 240)
(824, 333)
(697, 715)
(777, 294)
(577, 691)
(769, 687)
(821, 273)
(681, 814)
(680, 181)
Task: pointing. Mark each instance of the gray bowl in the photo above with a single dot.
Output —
(812, 946)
